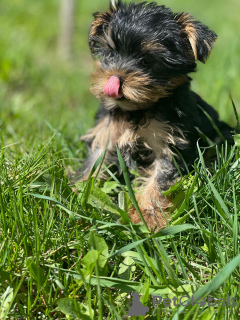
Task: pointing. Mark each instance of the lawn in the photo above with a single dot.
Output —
(68, 255)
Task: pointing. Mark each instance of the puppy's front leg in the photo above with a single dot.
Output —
(98, 139)
(150, 199)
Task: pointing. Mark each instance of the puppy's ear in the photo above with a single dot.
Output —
(114, 4)
(200, 36)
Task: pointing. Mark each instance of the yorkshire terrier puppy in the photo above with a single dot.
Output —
(144, 53)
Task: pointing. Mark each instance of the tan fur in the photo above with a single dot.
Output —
(208, 46)
(193, 41)
(100, 19)
(139, 92)
(186, 21)
(150, 199)
(137, 88)
(109, 39)
(157, 137)
(151, 202)
(153, 46)
(104, 134)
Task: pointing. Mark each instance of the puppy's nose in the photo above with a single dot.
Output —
(113, 88)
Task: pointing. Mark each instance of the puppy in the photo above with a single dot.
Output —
(143, 55)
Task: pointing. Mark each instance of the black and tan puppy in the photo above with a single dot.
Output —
(144, 53)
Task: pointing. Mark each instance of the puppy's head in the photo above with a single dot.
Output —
(143, 52)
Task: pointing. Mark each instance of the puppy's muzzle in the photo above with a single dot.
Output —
(113, 88)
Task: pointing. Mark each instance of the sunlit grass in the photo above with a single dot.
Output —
(74, 254)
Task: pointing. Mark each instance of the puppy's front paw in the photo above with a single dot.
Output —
(154, 218)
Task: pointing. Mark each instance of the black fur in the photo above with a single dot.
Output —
(162, 45)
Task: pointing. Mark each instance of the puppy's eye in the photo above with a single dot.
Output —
(147, 60)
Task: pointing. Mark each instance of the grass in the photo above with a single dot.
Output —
(68, 255)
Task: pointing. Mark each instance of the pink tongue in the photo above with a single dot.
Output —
(112, 88)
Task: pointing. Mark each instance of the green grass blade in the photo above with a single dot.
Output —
(127, 286)
(164, 232)
(214, 284)
(236, 114)
(129, 186)
(91, 180)
(213, 189)
(212, 123)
